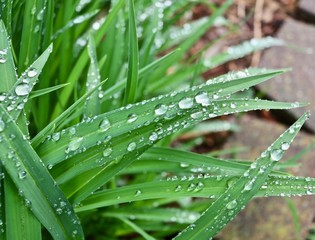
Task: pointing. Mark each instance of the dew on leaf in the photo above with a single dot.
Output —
(22, 174)
(132, 118)
(75, 143)
(138, 193)
(276, 154)
(104, 125)
(285, 146)
(153, 137)
(131, 146)
(202, 98)
(107, 152)
(160, 109)
(32, 72)
(231, 205)
(186, 103)
(23, 89)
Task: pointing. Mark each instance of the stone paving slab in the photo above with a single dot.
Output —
(270, 218)
(298, 84)
(308, 6)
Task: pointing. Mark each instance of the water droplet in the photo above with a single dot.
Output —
(215, 96)
(132, 117)
(23, 89)
(3, 55)
(2, 125)
(22, 174)
(75, 143)
(203, 99)
(276, 154)
(107, 152)
(55, 136)
(32, 72)
(186, 103)
(196, 115)
(153, 137)
(233, 105)
(285, 146)
(105, 125)
(231, 205)
(160, 109)
(178, 188)
(249, 186)
(131, 146)
(138, 193)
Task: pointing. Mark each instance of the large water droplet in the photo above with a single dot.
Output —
(23, 89)
(231, 205)
(160, 109)
(186, 103)
(2, 125)
(203, 99)
(131, 146)
(107, 152)
(105, 125)
(75, 143)
(276, 154)
(138, 193)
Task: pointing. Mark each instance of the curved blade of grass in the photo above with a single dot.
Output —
(31, 177)
(201, 185)
(154, 214)
(241, 50)
(41, 92)
(236, 197)
(133, 58)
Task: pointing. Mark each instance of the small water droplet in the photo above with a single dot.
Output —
(153, 137)
(32, 72)
(132, 118)
(186, 103)
(249, 186)
(105, 125)
(75, 143)
(178, 188)
(233, 105)
(285, 146)
(131, 146)
(138, 193)
(196, 115)
(22, 174)
(107, 152)
(23, 89)
(160, 109)
(231, 205)
(276, 154)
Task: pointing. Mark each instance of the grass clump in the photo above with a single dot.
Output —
(100, 90)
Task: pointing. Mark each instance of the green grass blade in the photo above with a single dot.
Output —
(200, 185)
(31, 33)
(230, 203)
(133, 58)
(7, 67)
(41, 92)
(16, 209)
(31, 177)
(93, 105)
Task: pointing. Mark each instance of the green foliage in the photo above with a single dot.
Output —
(100, 90)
